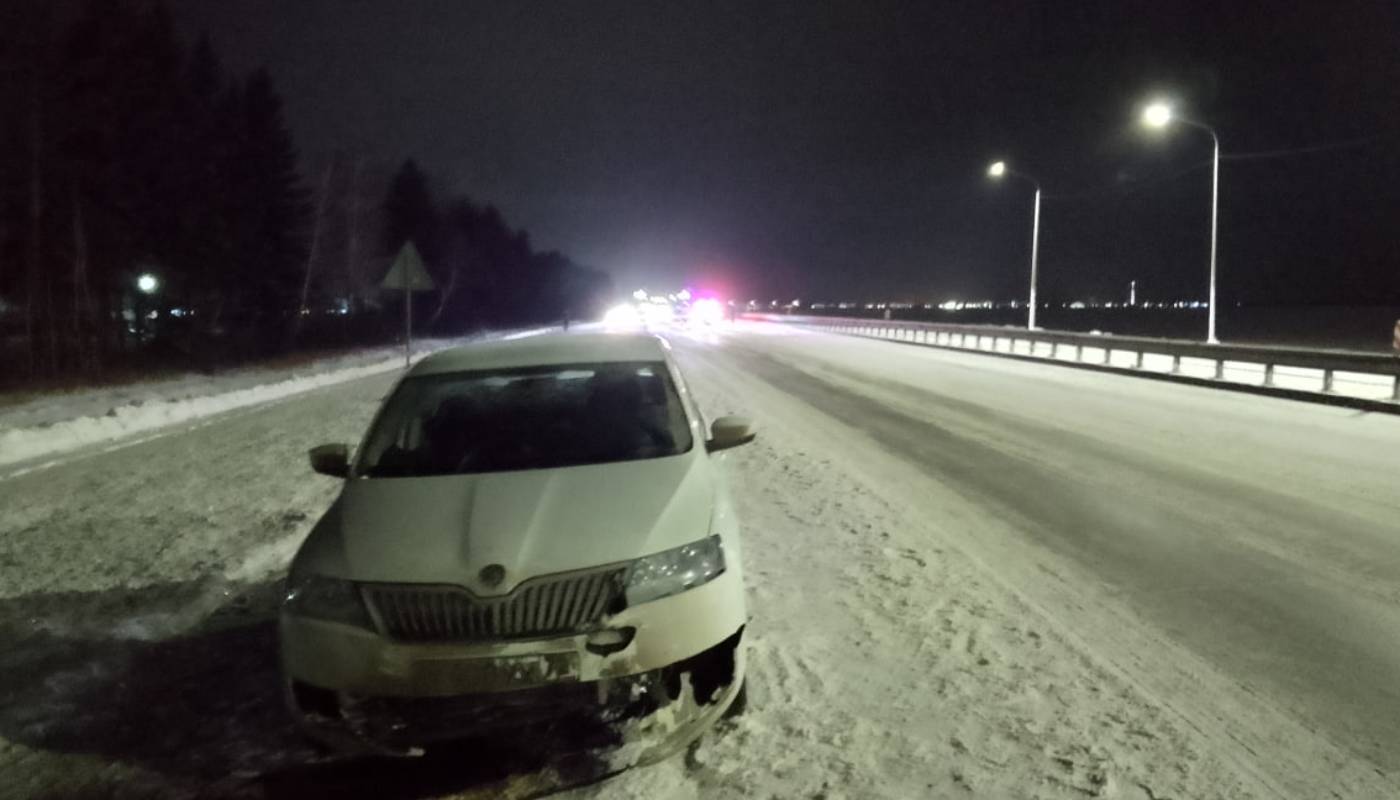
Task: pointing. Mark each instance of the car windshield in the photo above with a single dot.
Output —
(533, 418)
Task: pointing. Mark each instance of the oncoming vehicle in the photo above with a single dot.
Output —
(532, 532)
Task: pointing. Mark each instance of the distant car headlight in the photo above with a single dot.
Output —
(673, 571)
(330, 599)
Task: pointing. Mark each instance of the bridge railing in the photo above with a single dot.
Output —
(1351, 372)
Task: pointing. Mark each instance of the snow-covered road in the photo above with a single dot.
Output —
(969, 577)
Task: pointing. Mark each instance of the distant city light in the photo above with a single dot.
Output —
(147, 283)
(967, 305)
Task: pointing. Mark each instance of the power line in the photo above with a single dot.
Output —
(1257, 155)
(1135, 186)
(1295, 151)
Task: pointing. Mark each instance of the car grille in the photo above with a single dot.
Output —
(543, 606)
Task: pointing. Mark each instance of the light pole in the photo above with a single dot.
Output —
(1159, 115)
(997, 170)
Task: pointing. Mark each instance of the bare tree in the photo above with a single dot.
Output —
(83, 316)
(36, 221)
(445, 295)
(352, 231)
(302, 309)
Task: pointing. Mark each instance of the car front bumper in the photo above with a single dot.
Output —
(357, 689)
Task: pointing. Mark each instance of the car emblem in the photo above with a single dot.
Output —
(492, 575)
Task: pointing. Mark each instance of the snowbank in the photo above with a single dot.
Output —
(55, 424)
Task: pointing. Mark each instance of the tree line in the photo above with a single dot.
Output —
(153, 208)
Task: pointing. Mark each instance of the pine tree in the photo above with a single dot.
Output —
(410, 213)
(269, 204)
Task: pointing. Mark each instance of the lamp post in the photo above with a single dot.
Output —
(998, 170)
(1159, 115)
(147, 285)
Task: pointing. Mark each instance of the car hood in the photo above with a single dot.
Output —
(445, 529)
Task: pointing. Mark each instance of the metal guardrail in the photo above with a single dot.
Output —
(1048, 344)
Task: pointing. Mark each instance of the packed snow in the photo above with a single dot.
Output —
(909, 639)
(55, 423)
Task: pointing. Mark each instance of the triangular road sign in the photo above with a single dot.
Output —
(408, 272)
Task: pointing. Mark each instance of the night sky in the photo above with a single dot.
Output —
(833, 151)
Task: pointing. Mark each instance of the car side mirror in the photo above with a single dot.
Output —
(727, 432)
(331, 459)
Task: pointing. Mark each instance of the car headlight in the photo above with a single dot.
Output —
(331, 599)
(673, 571)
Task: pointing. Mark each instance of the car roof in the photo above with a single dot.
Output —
(544, 349)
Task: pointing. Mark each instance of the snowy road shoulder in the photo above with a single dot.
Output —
(61, 423)
(884, 663)
(895, 650)
(138, 591)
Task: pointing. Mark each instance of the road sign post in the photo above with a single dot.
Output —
(407, 273)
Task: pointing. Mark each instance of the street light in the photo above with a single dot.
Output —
(147, 283)
(998, 169)
(1159, 115)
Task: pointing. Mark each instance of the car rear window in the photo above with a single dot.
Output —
(530, 418)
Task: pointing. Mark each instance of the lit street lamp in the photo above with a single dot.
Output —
(1159, 115)
(997, 170)
(146, 286)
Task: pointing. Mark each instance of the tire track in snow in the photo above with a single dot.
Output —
(928, 438)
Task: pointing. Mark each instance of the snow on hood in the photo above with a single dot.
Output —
(444, 529)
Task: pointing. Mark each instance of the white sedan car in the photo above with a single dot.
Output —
(532, 532)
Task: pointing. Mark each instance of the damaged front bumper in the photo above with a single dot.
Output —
(662, 671)
(654, 713)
